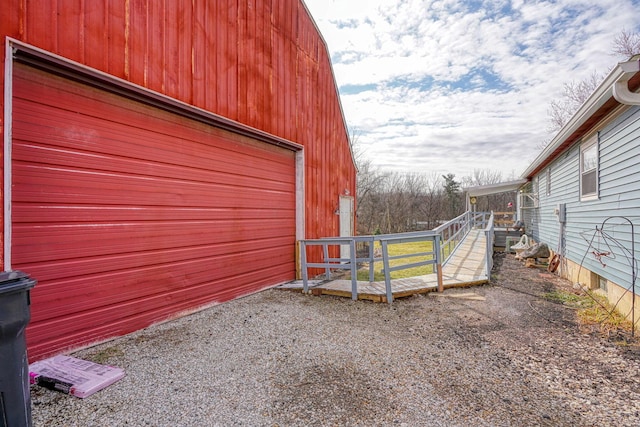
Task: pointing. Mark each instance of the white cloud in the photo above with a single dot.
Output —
(453, 85)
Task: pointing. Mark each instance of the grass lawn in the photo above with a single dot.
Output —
(402, 249)
(592, 309)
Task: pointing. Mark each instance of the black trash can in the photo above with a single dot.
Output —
(15, 313)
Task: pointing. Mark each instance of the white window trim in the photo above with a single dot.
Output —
(585, 145)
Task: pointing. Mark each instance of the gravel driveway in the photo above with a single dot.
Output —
(495, 355)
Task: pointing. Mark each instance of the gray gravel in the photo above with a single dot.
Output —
(497, 355)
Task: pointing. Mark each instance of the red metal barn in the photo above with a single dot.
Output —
(163, 156)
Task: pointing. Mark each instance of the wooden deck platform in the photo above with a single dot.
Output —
(465, 267)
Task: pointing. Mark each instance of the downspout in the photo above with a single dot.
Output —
(519, 215)
(621, 91)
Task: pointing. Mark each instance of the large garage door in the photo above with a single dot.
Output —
(127, 214)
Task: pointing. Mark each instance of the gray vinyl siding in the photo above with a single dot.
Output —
(564, 189)
(619, 195)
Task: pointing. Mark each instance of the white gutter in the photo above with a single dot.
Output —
(621, 91)
(618, 78)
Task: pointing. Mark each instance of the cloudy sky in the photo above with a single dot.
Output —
(449, 86)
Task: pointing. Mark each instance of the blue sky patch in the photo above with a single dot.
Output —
(414, 75)
(346, 57)
(493, 9)
(483, 79)
(424, 83)
(355, 89)
(345, 23)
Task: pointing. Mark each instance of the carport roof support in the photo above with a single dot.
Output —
(503, 187)
(485, 190)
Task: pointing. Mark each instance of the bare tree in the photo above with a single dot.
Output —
(398, 202)
(394, 202)
(494, 202)
(369, 180)
(482, 177)
(574, 94)
(626, 44)
(431, 201)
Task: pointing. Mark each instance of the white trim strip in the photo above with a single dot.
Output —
(300, 203)
(8, 124)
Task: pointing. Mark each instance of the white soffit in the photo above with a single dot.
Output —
(503, 187)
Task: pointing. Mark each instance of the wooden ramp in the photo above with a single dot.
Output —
(465, 267)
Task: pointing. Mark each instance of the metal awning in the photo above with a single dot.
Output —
(503, 187)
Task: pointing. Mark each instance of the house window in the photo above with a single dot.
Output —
(602, 284)
(548, 181)
(589, 169)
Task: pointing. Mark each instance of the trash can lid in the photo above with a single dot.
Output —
(11, 281)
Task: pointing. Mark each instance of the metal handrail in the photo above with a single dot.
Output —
(445, 239)
(452, 232)
(489, 233)
(427, 236)
(329, 262)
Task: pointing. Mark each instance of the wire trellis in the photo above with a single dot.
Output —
(601, 246)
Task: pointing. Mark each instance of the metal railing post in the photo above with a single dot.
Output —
(372, 257)
(489, 237)
(489, 248)
(445, 240)
(303, 264)
(387, 270)
(354, 272)
(436, 244)
(325, 253)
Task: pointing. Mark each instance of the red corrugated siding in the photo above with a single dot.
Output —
(259, 63)
(124, 212)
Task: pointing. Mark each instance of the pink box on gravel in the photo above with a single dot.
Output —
(77, 377)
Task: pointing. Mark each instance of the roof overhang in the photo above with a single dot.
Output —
(503, 187)
(618, 88)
